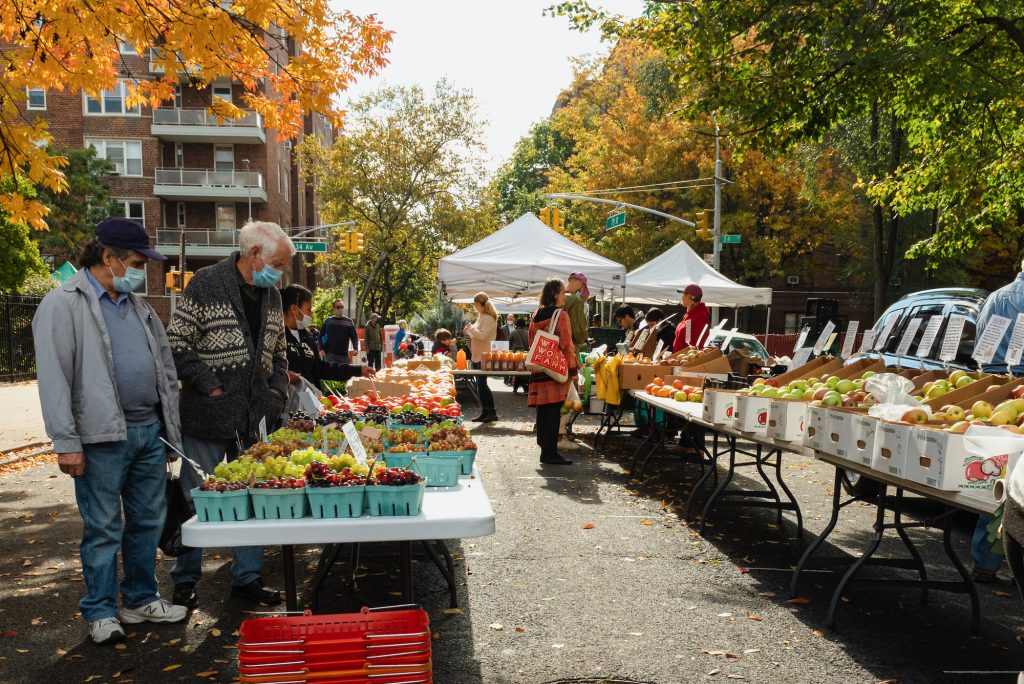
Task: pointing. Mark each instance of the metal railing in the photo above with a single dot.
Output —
(17, 351)
(198, 238)
(208, 178)
(201, 117)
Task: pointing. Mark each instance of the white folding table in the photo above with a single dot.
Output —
(458, 512)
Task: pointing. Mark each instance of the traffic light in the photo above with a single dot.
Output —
(545, 216)
(356, 243)
(702, 224)
(557, 220)
(174, 281)
(344, 243)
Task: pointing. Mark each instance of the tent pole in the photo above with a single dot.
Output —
(767, 322)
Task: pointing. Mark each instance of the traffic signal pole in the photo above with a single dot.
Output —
(716, 253)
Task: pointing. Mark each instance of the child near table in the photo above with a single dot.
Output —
(444, 343)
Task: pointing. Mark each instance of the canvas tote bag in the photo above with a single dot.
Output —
(546, 354)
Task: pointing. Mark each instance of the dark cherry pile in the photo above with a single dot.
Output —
(212, 484)
(434, 418)
(281, 483)
(301, 421)
(339, 417)
(410, 418)
(376, 414)
(395, 477)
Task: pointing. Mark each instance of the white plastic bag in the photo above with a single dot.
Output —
(893, 395)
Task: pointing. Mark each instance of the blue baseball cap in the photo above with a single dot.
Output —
(122, 233)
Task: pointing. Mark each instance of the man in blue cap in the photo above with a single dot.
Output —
(109, 391)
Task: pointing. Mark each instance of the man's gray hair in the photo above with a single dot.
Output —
(265, 235)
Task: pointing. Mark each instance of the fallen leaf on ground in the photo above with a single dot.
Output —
(92, 677)
(215, 632)
(59, 651)
(714, 672)
(21, 650)
(453, 611)
(9, 633)
(890, 681)
(1004, 594)
(646, 522)
(38, 622)
(206, 673)
(394, 593)
(26, 563)
(436, 635)
(520, 630)
(748, 651)
(171, 668)
(120, 647)
(734, 676)
(755, 618)
(497, 626)
(800, 601)
(817, 633)
(766, 594)
(588, 526)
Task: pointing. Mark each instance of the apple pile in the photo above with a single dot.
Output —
(677, 390)
(1008, 414)
(958, 379)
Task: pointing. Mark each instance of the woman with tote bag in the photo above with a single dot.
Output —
(546, 393)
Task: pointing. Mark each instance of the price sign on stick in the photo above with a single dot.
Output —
(263, 430)
(868, 341)
(499, 346)
(352, 437)
(1016, 346)
(931, 331)
(883, 336)
(908, 337)
(657, 350)
(801, 357)
(800, 340)
(700, 338)
(823, 337)
(951, 340)
(851, 336)
(991, 337)
(728, 339)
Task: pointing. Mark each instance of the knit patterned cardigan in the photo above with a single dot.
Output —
(213, 347)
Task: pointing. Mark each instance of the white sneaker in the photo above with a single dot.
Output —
(155, 611)
(106, 631)
(566, 444)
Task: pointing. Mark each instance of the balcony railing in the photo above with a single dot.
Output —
(197, 238)
(208, 178)
(201, 117)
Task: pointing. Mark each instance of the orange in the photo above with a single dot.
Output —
(659, 382)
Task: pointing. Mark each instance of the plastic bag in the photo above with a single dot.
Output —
(893, 395)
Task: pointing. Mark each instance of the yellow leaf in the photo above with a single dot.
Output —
(215, 632)
(453, 611)
(647, 522)
(171, 668)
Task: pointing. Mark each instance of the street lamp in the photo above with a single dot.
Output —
(248, 187)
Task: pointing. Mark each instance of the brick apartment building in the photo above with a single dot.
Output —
(179, 170)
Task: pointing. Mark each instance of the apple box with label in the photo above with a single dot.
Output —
(786, 419)
(816, 422)
(942, 460)
(862, 447)
(752, 414)
(892, 442)
(719, 407)
(838, 433)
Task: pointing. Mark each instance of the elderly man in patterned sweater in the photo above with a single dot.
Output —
(227, 338)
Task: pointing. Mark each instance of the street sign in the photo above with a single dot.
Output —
(731, 239)
(615, 220)
(310, 246)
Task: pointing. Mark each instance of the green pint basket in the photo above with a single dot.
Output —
(337, 502)
(402, 460)
(279, 504)
(467, 457)
(385, 500)
(222, 506)
(441, 469)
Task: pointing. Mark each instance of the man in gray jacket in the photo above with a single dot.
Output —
(227, 336)
(109, 391)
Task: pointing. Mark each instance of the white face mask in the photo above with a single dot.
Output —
(304, 322)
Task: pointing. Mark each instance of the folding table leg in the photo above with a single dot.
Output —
(759, 461)
(876, 541)
(897, 515)
(290, 594)
(789, 495)
(405, 560)
(972, 589)
(328, 557)
(721, 486)
(805, 558)
(446, 566)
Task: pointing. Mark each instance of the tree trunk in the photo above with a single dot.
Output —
(878, 229)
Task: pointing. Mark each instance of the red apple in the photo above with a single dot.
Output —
(915, 416)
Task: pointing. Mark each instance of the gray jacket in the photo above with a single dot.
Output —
(75, 368)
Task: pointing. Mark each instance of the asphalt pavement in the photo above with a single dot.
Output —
(592, 576)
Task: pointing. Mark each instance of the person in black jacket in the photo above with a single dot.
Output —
(303, 357)
(338, 335)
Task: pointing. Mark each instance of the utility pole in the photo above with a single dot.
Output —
(716, 259)
(248, 187)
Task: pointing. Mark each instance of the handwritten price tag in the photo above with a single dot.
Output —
(800, 340)
(991, 337)
(819, 346)
(1016, 346)
(908, 337)
(851, 337)
(951, 340)
(867, 342)
(931, 331)
(352, 437)
(883, 336)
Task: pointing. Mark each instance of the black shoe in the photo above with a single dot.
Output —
(480, 418)
(185, 595)
(557, 459)
(488, 417)
(984, 576)
(256, 593)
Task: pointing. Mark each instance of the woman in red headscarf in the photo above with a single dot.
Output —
(693, 329)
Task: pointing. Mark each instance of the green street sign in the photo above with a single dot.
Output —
(310, 247)
(615, 220)
(732, 239)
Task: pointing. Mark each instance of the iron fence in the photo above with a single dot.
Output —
(17, 352)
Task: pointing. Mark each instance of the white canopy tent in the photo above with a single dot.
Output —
(513, 263)
(657, 282)
(506, 305)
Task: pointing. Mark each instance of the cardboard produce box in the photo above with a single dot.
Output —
(965, 396)
(359, 386)
(941, 460)
(720, 406)
(752, 414)
(815, 368)
(892, 442)
(429, 364)
(786, 419)
(634, 376)
(816, 423)
(838, 431)
(858, 368)
(741, 360)
(717, 366)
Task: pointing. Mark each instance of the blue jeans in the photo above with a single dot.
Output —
(981, 548)
(247, 561)
(129, 474)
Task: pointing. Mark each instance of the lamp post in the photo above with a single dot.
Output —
(248, 187)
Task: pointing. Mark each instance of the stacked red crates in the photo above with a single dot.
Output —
(378, 646)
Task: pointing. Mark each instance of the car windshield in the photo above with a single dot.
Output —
(750, 345)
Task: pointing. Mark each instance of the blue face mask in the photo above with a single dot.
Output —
(266, 277)
(132, 279)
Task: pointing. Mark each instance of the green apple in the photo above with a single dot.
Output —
(832, 382)
(845, 386)
(808, 395)
(868, 374)
(798, 385)
(981, 409)
(953, 412)
(832, 399)
(1002, 418)
(770, 392)
(859, 383)
(955, 376)
(963, 382)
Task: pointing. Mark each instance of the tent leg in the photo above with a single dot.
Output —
(767, 322)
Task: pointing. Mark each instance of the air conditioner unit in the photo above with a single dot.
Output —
(288, 145)
(793, 280)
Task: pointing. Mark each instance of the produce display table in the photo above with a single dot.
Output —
(952, 501)
(457, 512)
(767, 452)
(492, 373)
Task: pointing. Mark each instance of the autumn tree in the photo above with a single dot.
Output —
(407, 170)
(19, 259)
(71, 45)
(934, 89)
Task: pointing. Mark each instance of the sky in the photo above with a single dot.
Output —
(515, 60)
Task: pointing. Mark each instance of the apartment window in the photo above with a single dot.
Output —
(111, 102)
(181, 214)
(179, 155)
(223, 158)
(223, 91)
(226, 217)
(134, 210)
(126, 48)
(36, 98)
(792, 321)
(125, 155)
(177, 96)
